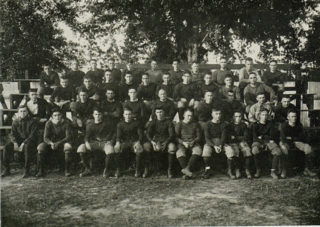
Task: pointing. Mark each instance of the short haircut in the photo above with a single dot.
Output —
(132, 88)
(64, 78)
(228, 76)
(33, 90)
(195, 62)
(186, 72)
(207, 73)
(291, 111)
(223, 58)
(86, 77)
(128, 73)
(286, 97)
(273, 61)
(83, 90)
(249, 59)
(264, 110)
(238, 111)
(98, 109)
(22, 106)
(145, 74)
(188, 110)
(107, 70)
(162, 90)
(152, 60)
(159, 108)
(166, 73)
(207, 92)
(127, 109)
(53, 110)
(216, 109)
(175, 60)
(110, 89)
(252, 73)
(260, 93)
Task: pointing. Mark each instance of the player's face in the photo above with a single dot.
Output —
(292, 117)
(33, 96)
(162, 95)
(223, 63)
(128, 78)
(249, 65)
(153, 65)
(186, 78)
(230, 97)
(129, 66)
(187, 116)
(207, 79)
(23, 112)
(160, 114)
(273, 66)
(97, 116)
(237, 117)
(263, 116)
(107, 77)
(110, 94)
(195, 67)
(228, 81)
(93, 64)
(87, 83)
(64, 83)
(166, 78)
(285, 102)
(208, 97)
(46, 69)
(145, 79)
(132, 93)
(127, 115)
(216, 115)
(74, 65)
(83, 96)
(261, 99)
(56, 116)
(175, 66)
(253, 79)
(111, 64)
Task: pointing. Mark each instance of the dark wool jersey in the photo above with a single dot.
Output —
(230, 107)
(188, 132)
(147, 92)
(215, 130)
(123, 90)
(112, 86)
(103, 131)
(75, 78)
(155, 76)
(51, 79)
(197, 78)
(295, 132)
(281, 112)
(24, 130)
(43, 109)
(96, 76)
(169, 88)
(91, 91)
(270, 78)
(114, 110)
(219, 75)
(203, 111)
(239, 131)
(67, 93)
(224, 92)
(162, 131)
(138, 108)
(267, 131)
(168, 107)
(83, 110)
(187, 91)
(176, 76)
(57, 132)
(129, 132)
(210, 87)
(136, 76)
(250, 93)
(116, 75)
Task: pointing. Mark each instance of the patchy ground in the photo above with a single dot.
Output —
(94, 201)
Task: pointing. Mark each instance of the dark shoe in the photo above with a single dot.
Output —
(274, 175)
(5, 173)
(87, 172)
(207, 174)
(307, 172)
(145, 173)
(40, 174)
(25, 173)
(233, 177)
(257, 174)
(238, 174)
(105, 173)
(187, 172)
(117, 173)
(185, 177)
(170, 175)
(248, 174)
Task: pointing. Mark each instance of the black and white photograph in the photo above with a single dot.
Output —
(159, 113)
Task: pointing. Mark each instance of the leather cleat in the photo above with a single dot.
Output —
(170, 175)
(207, 174)
(232, 177)
(284, 174)
(25, 174)
(258, 173)
(248, 174)
(187, 172)
(145, 173)
(105, 173)
(67, 174)
(307, 172)
(238, 174)
(137, 174)
(40, 174)
(87, 172)
(274, 175)
(117, 173)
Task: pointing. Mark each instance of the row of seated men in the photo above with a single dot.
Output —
(145, 127)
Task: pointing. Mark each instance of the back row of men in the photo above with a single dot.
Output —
(119, 118)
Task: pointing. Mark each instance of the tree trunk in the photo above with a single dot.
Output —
(193, 53)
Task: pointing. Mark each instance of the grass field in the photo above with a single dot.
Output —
(158, 201)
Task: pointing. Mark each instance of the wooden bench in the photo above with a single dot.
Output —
(6, 123)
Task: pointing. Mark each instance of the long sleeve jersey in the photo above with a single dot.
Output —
(96, 76)
(75, 78)
(168, 107)
(281, 112)
(162, 131)
(112, 86)
(266, 131)
(60, 132)
(250, 93)
(203, 111)
(91, 91)
(83, 110)
(40, 108)
(210, 87)
(215, 130)
(239, 131)
(114, 109)
(138, 108)
(219, 75)
(129, 131)
(176, 76)
(224, 92)
(147, 92)
(67, 93)
(24, 130)
(295, 132)
(50, 80)
(169, 88)
(103, 131)
(188, 132)
(187, 91)
(123, 90)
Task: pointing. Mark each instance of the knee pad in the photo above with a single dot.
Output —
(229, 152)
(82, 149)
(273, 147)
(284, 148)
(67, 146)
(255, 149)
(196, 150)
(41, 148)
(181, 153)
(138, 149)
(308, 149)
(207, 151)
(180, 105)
(108, 149)
(147, 146)
(171, 148)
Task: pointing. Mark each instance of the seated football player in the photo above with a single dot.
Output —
(154, 73)
(82, 110)
(112, 108)
(255, 109)
(230, 105)
(146, 92)
(75, 76)
(63, 95)
(208, 85)
(186, 94)
(23, 141)
(291, 134)
(176, 72)
(263, 132)
(204, 109)
(238, 139)
(160, 135)
(219, 75)
(167, 85)
(254, 88)
(281, 110)
(49, 80)
(94, 73)
(229, 86)
(129, 139)
(136, 75)
(196, 74)
(166, 104)
(115, 73)
(108, 84)
(216, 137)
(137, 107)
(124, 87)
(100, 136)
(57, 140)
(92, 90)
(188, 135)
